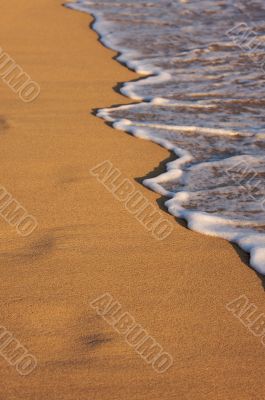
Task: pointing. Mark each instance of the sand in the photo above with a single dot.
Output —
(87, 244)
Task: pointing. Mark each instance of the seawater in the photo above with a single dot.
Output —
(202, 97)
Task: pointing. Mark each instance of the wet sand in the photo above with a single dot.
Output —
(87, 244)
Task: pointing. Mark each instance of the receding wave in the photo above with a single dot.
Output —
(202, 97)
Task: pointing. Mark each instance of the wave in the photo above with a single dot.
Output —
(201, 97)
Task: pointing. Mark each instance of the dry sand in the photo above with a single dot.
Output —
(87, 244)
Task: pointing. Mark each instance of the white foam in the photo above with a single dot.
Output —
(238, 230)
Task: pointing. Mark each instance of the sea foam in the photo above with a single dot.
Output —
(201, 97)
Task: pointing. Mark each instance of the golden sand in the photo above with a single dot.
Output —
(87, 244)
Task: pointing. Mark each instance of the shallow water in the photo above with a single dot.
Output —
(204, 100)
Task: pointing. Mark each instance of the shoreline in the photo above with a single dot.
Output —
(212, 225)
(87, 244)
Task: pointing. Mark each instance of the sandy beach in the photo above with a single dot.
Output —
(87, 244)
